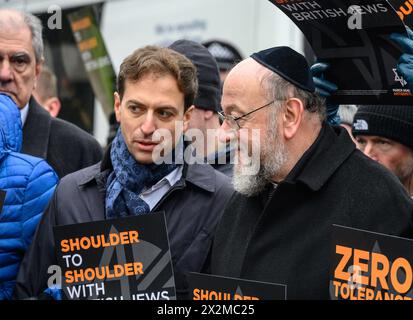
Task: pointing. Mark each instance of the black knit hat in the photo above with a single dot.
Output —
(394, 122)
(209, 83)
(288, 64)
(224, 53)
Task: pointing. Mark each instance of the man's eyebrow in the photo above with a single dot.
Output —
(233, 107)
(16, 55)
(140, 104)
(23, 55)
(136, 102)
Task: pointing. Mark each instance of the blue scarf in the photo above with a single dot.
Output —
(127, 180)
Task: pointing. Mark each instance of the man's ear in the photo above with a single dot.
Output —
(292, 117)
(208, 114)
(187, 117)
(54, 106)
(116, 106)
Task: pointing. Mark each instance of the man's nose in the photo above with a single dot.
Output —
(370, 151)
(226, 133)
(5, 71)
(148, 125)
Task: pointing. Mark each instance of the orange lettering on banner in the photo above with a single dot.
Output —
(64, 244)
(401, 263)
(196, 294)
(358, 256)
(114, 239)
(133, 237)
(379, 274)
(104, 272)
(88, 44)
(203, 294)
(384, 274)
(99, 241)
(81, 24)
(339, 272)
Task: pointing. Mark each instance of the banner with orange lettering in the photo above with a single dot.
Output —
(370, 266)
(95, 56)
(353, 37)
(118, 259)
(404, 9)
(211, 287)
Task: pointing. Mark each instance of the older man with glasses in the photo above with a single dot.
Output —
(278, 227)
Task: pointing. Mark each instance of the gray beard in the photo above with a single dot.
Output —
(273, 157)
(405, 172)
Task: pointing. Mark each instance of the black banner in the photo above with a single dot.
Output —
(211, 287)
(119, 259)
(404, 9)
(353, 37)
(370, 266)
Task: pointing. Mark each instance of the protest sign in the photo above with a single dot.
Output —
(370, 266)
(353, 38)
(118, 259)
(211, 287)
(404, 9)
(95, 57)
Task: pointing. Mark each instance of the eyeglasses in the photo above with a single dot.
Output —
(233, 122)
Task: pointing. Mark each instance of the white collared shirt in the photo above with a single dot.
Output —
(23, 113)
(152, 195)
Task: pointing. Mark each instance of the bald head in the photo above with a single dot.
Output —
(246, 77)
(14, 21)
(10, 18)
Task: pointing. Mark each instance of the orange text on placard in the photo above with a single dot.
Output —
(202, 294)
(373, 270)
(99, 241)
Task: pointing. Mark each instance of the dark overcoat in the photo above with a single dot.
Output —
(284, 235)
(66, 147)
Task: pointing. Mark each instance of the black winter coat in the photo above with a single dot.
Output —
(66, 147)
(192, 208)
(284, 235)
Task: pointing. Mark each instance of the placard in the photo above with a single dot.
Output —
(353, 37)
(370, 266)
(120, 259)
(211, 287)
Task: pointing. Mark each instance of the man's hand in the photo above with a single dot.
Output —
(325, 88)
(405, 64)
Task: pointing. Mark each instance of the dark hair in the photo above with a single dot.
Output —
(160, 61)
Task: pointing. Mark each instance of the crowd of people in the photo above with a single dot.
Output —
(268, 219)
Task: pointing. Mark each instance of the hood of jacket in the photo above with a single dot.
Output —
(11, 136)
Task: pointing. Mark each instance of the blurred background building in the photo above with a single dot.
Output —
(249, 25)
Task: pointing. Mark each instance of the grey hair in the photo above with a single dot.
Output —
(279, 89)
(36, 28)
(346, 113)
